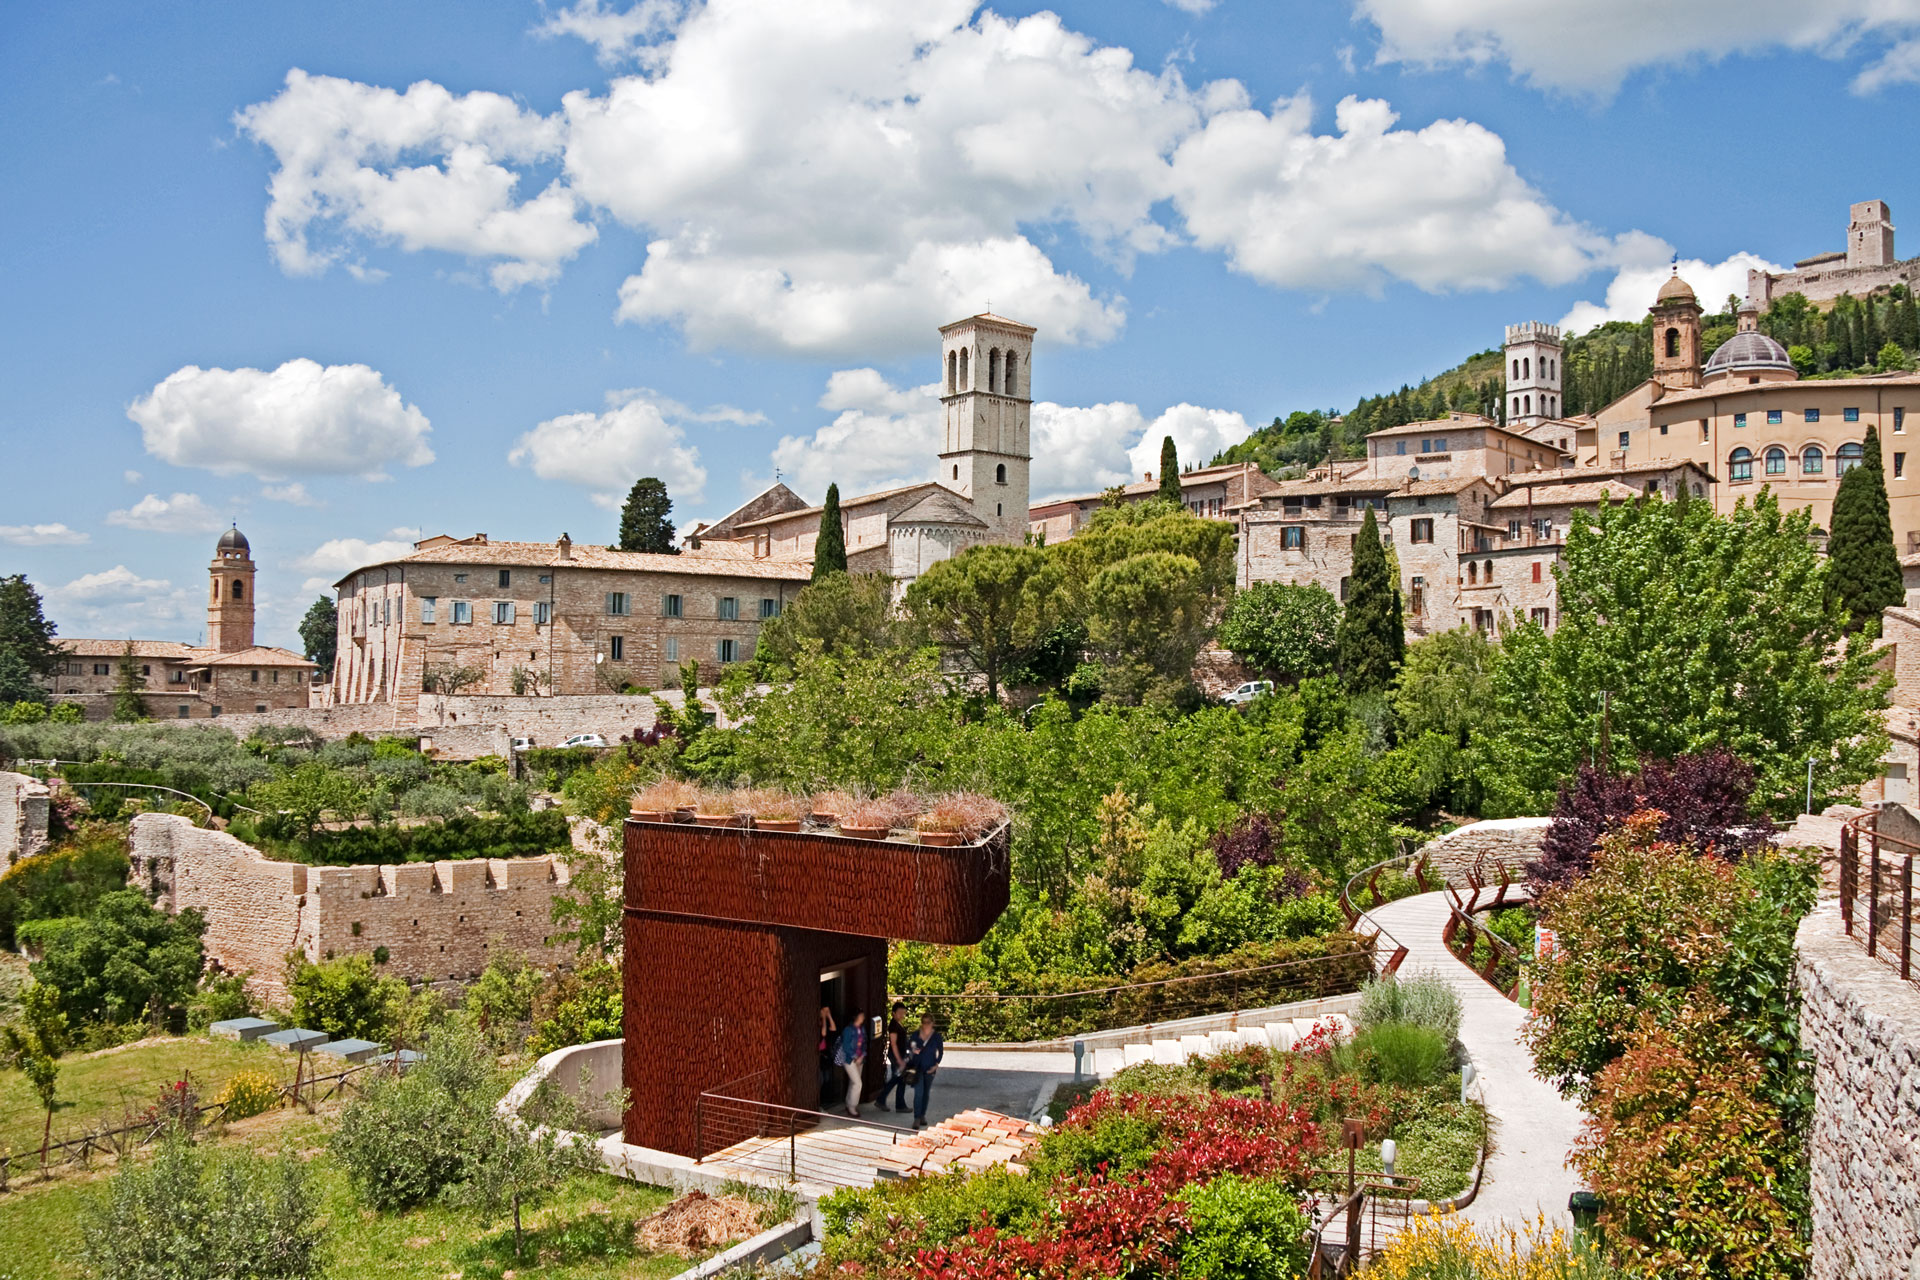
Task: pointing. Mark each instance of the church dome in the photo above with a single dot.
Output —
(1749, 352)
(233, 540)
(1675, 290)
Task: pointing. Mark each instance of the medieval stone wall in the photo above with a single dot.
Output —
(23, 817)
(1861, 1024)
(1513, 843)
(437, 920)
(548, 721)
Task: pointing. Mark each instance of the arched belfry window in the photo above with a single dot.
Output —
(1526, 367)
(239, 589)
(1673, 342)
(1012, 387)
(993, 370)
(216, 588)
(1000, 474)
(953, 366)
(963, 370)
(1516, 371)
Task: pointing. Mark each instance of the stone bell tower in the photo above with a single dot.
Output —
(987, 405)
(1676, 335)
(230, 606)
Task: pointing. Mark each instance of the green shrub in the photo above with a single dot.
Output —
(879, 1226)
(188, 1214)
(1243, 1229)
(66, 880)
(344, 997)
(510, 835)
(23, 713)
(221, 996)
(123, 960)
(404, 1139)
(1425, 1001)
(499, 1003)
(1404, 1054)
(1290, 970)
(577, 1008)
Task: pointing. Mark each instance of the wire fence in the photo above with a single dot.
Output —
(1876, 890)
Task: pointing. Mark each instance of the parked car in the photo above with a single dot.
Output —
(585, 740)
(1248, 692)
(523, 744)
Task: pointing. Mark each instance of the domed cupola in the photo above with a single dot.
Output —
(232, 542)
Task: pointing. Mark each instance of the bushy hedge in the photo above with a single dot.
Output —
(511, 835)
(550, 767)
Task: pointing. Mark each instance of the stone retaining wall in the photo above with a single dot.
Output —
(1485, 847)
(437, 920)
(548, 721)
(1861, 1024)
(23, 817)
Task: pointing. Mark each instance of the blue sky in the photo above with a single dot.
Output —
(349, 273)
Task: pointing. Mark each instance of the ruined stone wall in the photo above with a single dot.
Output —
(1861, 1024)
(23, 817)
(437, 920)
(1486, 846)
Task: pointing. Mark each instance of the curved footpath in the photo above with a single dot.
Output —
(1533, 1126)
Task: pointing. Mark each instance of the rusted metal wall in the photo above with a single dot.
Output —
(727, 932)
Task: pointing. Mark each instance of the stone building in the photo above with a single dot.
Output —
(1866, 264)
(1533, 353)
(1460, 444)
(558, 618)
(230, 673)
(1211, 492)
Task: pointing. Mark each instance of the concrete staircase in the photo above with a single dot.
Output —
(1174, 1052)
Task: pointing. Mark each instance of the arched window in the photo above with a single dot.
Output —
(1486, 571)
(239, 589)
(1673, 342)
(1000, 474)
(1009, 382)
(956, 471)
(1846, 458)
(1526, 368)
(1741, 464)
(1516, 371)
(1776, 461)
(1473, 574)
(993, 370)
(1813, 460)
(963, 369)
(953, 366)
(216, 588)
(1528, 401)
(1515, 411)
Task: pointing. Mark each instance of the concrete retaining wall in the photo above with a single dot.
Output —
(24, 804)
(1861, 1024)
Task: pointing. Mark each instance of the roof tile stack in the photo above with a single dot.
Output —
(973, 1140)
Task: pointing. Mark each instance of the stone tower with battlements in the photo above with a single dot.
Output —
(986, 402)
(1533, 374)
(1870, 235)
(230, 605)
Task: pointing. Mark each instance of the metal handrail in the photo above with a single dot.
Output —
(1883, 852)
(1463, 913)
(792, 1117)
(1121, 987)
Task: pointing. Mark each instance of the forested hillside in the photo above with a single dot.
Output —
(1600, 365)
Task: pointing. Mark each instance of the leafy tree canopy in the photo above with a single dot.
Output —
(843, 613)
(27, 649)
(123, 958)
(644, 525)
(989, 605)
(318, 633)
(1287, 631)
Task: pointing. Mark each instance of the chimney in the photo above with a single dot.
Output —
(565, 547)
(1147, 476)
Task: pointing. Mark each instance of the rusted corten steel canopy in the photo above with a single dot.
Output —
(728, 932)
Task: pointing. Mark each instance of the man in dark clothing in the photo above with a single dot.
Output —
(924, 1052)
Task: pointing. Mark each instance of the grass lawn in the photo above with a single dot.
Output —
(96, 1086)
(585, 1233)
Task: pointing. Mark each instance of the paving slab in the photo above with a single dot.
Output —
(244, 1028)
(296, 1039)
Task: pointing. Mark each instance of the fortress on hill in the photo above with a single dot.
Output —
(1865, 265)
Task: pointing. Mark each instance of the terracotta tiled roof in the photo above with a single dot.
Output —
(1198, 476)
(941, 507)
(1589, 491)
(846, 504)
(1465, 422)
(1449, 484)
(990, 318)
(719, 558)
(259, 656)
(165, 649)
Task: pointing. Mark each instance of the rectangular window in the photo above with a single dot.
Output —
(1513, 528)
(1739, 421)
(1625, 436)
(729, 609)
(1899, 464)
(617, 647)
(427, 604)
(1416, 594)
(727, 650)
(1543, 617)
(214, 710)
(1536, 571)
(506, 577)
(669, 606)
(1440, 444)
(183, 711)
(177, 677)
(769, 607)
(1293, 537)
(256, 677)
(617, 603)
(673, 648)
(1663, 428)
(145, 670)
(1703, 431)
(1849, 415)
(1400, 446)
(259, 706)
(276, 677)
(545, 578)
(1810, 415)
(542, 612)
(459, 577)
(502, 612)
(462, 613)
(1773, 417)
(1899, 421)
(1422, 530)
(101, 669)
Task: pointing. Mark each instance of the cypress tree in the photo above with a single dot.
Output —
(830, 550)
(1870, 339)
(129, 701)
(1863, 572)
(643, 520)
(1169, 471)
(1372, 638)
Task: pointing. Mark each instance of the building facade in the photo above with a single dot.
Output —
(1210, 492)
(228, 674)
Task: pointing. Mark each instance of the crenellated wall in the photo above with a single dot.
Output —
(24, 804)
(437, 920)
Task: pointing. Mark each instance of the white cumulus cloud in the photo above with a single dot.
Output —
(1590, 46)
(337, 557)
(838, 179)
(294, 494)
(640, 434)
(181, 513)
(300, 418)
(42, 535)
(116, 601)
(1634, 286)
(422, 169)
(1198, 434)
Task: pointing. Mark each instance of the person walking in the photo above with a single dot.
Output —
(898, 1034)
(923, 1059)
(852, 1056)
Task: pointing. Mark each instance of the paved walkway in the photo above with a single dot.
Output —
(1533, 1126)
